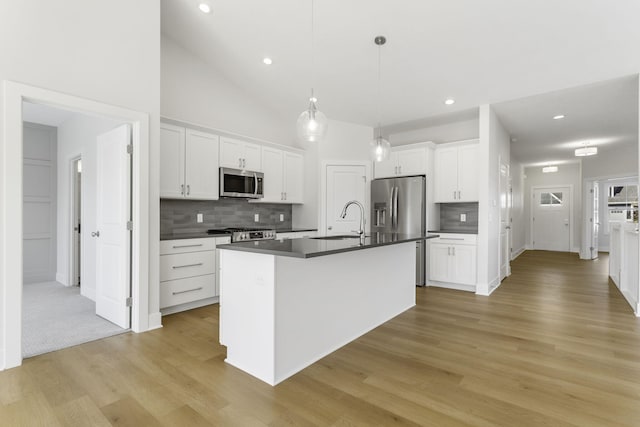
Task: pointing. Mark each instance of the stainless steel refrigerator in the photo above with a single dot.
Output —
(398, 206)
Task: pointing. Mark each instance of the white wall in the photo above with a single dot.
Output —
(569, 174)
(194, 92)
(494, 145)
(104, 51)
(518, 227)
(77, 137)
(442, 133)
(621, 160)
(344, 141)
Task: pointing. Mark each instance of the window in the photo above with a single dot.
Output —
(548, 199)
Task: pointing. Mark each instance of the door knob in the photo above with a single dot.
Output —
(95, 233)
(329, 228)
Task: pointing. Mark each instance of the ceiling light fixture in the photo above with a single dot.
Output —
(449, 101)
(558, 117)
(204, 7)
(586, 150)
(549, 169)
(267, 61)
(312, 124)
(380, 147)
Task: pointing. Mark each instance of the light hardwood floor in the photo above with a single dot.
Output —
(555, 345)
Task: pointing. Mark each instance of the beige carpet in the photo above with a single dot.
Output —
(55, 316)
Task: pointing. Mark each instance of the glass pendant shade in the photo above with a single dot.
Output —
(380, 149)
(312, 124)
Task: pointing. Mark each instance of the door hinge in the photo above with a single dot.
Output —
(129, 149)
(129, 225)
(129, 302)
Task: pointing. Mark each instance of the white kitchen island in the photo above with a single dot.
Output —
(286, 304)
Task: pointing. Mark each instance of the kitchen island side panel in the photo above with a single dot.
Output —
(326, 302)
(247, 312)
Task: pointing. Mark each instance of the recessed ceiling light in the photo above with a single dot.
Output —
(204, 7)
(449, 101)
(558, 117)
(267, 61)
(549, 169)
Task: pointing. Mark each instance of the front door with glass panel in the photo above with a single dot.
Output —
(551, 219)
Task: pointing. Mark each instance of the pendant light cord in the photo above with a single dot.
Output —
(379, 90)
(312, 49)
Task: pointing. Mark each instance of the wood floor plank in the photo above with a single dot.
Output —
(555, 345)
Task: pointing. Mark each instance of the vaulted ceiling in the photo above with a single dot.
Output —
(477, 52)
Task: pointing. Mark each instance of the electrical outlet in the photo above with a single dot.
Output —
(463, 217)
(256, 217)
(281, 217)
(199, 218)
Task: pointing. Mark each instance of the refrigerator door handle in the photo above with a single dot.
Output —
(394, 222)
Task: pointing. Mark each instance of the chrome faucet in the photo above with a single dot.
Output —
(344, 214)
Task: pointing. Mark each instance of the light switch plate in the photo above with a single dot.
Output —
(281, 217)
(256, 217)
(463, 217)
(199, 218)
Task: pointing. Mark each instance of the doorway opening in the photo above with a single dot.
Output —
(76, 222)
(57, 311)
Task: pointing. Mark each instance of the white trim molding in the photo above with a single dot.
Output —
(11, 208)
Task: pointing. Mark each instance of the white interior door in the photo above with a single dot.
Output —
(595, 219)
(551, 218)
(344, 183)
(505, 222)
(112, 237)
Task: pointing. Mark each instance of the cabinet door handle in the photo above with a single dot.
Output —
(285, 195)
(186, 265)
(400, 169)
(459, 195)
(95, 233)
(454, 195)
(452, 238)
(448, 250)
(454, 250)
(182, 189)
(188, 189)
(186, 246)
(188, 290)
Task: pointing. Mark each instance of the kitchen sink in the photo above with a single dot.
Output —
(338, 237)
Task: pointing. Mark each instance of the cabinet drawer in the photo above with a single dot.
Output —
(186, 245)
(456, 239)
(181, 291)
(179, 266)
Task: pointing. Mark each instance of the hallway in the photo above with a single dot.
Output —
(554, 345)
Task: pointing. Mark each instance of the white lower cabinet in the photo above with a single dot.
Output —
(188, 273)
(453, 261)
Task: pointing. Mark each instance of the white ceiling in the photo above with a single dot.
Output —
(478, 52)
(604, 114)
(45, 115)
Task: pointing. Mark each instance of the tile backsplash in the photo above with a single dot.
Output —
(179, 216)
(450, 216)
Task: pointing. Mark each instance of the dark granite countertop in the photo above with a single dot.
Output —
(294, 230)
(313, 247)
(192, 235)
(454, 231)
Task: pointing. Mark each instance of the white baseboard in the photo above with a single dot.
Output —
(62, 279)
(155, 321)
(518, 252)
(575, 250)
(88, 292)
(491, 286)
(455, 286)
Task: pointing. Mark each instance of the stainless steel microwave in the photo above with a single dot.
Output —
(241, 183)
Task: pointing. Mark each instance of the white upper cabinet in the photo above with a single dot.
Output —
(403, 161)
(238, 154)
(456, 173)
(293, 177)
(283, 176)
(172, 143)
(188, 164)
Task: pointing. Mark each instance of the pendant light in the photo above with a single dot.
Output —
(380, 147)
(312, 124)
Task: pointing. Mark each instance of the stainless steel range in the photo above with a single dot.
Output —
(241, 234)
